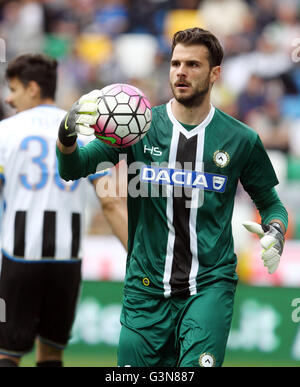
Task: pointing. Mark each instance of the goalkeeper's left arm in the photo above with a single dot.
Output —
(274, 225)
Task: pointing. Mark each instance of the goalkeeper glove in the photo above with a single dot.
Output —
(82, 114)
(272, 240)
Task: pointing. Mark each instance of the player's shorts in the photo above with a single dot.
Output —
(176, 332)
(40, 301)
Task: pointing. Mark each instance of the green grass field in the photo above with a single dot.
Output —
(77, 361)
(102, 360)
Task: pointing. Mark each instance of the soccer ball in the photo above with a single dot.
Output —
(124, 115)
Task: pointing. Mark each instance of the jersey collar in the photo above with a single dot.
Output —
(197, 129)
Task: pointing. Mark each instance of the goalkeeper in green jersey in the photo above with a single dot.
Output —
(181, 267)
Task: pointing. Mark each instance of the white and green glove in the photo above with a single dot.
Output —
(272, 241)
(82, 114)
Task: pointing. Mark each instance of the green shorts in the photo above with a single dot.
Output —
(176, 332)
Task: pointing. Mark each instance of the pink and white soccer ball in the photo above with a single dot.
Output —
(124, 115)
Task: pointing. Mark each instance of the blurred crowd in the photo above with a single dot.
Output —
(98, 42)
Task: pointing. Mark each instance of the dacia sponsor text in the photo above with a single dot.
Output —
(183, 178)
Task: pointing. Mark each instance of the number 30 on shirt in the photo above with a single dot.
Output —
(39, 161)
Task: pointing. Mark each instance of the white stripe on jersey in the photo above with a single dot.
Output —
(196, 202)
(171, 235)
(33, 186)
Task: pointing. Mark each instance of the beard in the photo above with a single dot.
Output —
(196, 98)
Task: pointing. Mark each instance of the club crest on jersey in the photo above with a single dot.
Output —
(183, 178)
(221, 158)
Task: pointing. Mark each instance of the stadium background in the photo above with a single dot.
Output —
(100, 42)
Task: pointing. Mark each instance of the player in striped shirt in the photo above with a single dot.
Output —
(180, 278)
(42, 223)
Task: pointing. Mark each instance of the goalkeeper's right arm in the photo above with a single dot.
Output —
(79, 119)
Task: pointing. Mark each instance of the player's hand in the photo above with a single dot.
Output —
(272, 240)
(82, 114)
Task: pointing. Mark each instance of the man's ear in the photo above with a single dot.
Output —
(215, 74)
(34, 89)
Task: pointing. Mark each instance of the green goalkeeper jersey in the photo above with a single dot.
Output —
(181, 190)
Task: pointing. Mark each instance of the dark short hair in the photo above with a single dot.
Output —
(35, 67)
(199, 36)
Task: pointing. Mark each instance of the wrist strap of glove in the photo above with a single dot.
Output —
(266, 227)
(64, 134)
(278, 227)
